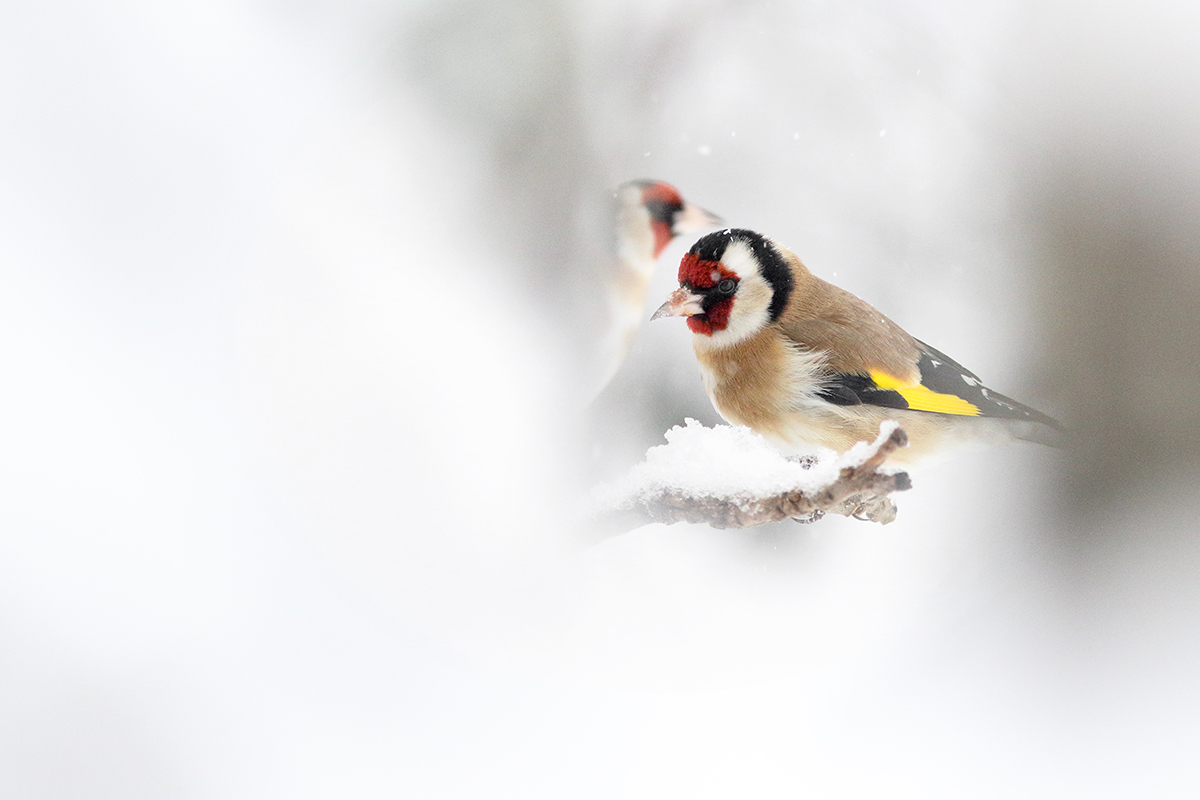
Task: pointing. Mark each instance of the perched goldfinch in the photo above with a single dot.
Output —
(806, 364)
(648, 215)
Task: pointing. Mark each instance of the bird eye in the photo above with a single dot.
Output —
(727, 286)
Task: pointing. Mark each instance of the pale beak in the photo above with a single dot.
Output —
(681, 303)
(694, 218)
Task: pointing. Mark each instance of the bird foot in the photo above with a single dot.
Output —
(869, 508)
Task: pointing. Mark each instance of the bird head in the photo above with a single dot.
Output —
(732, 283)
(670, 214)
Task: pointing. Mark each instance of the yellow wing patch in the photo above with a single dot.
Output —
(922, 398)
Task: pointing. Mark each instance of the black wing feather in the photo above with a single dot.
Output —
(857, 390)
(942, 374)
(939, 373)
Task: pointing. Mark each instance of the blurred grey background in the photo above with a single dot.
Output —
(289, 300)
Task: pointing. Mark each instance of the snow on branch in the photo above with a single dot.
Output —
(731, 478)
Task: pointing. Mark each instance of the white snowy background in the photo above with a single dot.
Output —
(285, 294)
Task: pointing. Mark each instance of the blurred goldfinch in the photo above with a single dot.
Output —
(648, 215)
(806, 364)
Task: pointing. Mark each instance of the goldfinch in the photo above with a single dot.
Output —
(806, 364)
(648, 215)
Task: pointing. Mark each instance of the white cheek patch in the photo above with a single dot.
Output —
(739, 258)
(635, 239)
(743, 322)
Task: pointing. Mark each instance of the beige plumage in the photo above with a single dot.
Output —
(806, 364)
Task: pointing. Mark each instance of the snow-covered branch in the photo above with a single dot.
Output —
(731, 478)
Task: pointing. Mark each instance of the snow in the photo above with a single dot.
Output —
(730, 461)
(858, 454)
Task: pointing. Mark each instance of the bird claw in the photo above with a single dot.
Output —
(877, 508)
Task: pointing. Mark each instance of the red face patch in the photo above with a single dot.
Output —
(664, 193)
(715, 319)
(703, 276)
(664, 202)
(662, 236)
